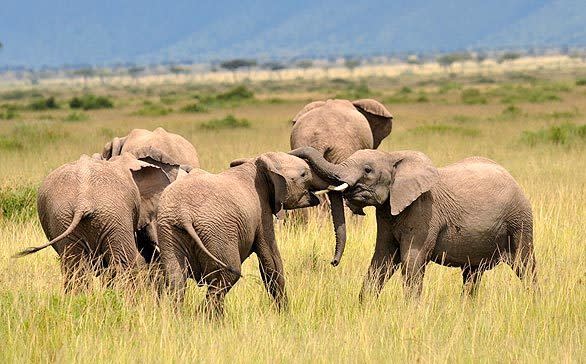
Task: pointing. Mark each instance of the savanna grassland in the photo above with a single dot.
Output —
(532, 123)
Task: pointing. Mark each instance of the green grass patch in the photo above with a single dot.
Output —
(445, 129)
(76, 116)
(238, 93)
(8, 112)
(406, 95)
(355, 91)
(151, 109)
(472, 96)
(227, 122)
(581, 82)
(564, 134)
(511, 94)
(32, 135)
(91, 102)
(20, 94)
(18, 203)
(194, 107)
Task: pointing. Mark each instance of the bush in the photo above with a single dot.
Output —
(473, 96)
(581, 82)
(238, 93)
(19, 95)
(355, 91)
(43, 104)
(76, 116)
(91, 102)
(194, 108)
(228, 122)
(445, 129)
(18, 202)
(563, 134)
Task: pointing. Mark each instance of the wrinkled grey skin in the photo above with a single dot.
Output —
(163, 149)
(89, 210)
(470, 214)
(337, 129)
(208, 224)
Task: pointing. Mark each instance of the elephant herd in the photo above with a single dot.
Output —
(144, 201)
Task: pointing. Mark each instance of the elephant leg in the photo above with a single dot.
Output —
(384, 262)
(175, 270)
(75, 266)
(271, 271)
(413, 263)
(523, 257)
(218, 288)
(471, 276)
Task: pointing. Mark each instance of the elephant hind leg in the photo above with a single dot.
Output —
(522, 256)
(471, 276)
(75, 266)
(218, 288)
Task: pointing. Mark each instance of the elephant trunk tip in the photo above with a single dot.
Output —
(335, 262)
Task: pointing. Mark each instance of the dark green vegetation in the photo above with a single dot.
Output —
(91, 102)
(563, 134)
(18, 202)
(227, 122)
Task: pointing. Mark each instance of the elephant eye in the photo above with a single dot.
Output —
(367, 169)
(303, 174)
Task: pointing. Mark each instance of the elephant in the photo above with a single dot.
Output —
(337, 128)
(90, 209)
(208, 224)
(471, 214)
(160, 148)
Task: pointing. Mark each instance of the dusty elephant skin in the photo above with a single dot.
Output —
(169, 151)
(471, 214)
(89, 210)
(336, 129)
(208, 224)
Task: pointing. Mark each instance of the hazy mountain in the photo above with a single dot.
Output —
(39, 32)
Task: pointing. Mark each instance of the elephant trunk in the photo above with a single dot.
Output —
(337, 206)
(328, 171)
(331, 173)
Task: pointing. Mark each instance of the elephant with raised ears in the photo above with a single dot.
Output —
(471, 214)
(90, 209)
(208, 224)
(169, 151)
(336, 129)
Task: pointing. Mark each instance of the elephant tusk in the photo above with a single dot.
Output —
(321, 192)
(339, 188)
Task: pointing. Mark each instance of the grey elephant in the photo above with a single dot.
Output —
(336, 129)
(208, 224)
(470, 214)
(90, 209)
(160, 148)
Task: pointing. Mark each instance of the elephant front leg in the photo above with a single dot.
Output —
(384, 263)
(413, 263)
(272, 272)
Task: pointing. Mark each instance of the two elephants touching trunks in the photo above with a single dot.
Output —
(145, 200)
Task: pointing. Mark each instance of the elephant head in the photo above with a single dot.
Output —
(379, 118)
(376, 178)
(291, 182)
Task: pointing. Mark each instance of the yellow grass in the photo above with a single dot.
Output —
(325, 323)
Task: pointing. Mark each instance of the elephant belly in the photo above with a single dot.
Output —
(458, 247)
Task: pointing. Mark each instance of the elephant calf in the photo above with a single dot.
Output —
(90, 210)
(471, 214)
(208, 224)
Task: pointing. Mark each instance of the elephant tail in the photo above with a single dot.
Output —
(77, 216)
(191, 231)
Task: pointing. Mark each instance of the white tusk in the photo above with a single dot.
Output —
(321, 192)
(339, 188)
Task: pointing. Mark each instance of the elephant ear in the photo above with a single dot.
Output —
(150, 181)
(113, 148)
(239, 161)
(277, 182)
(378, 117)
(414, 174)
(307, 108)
